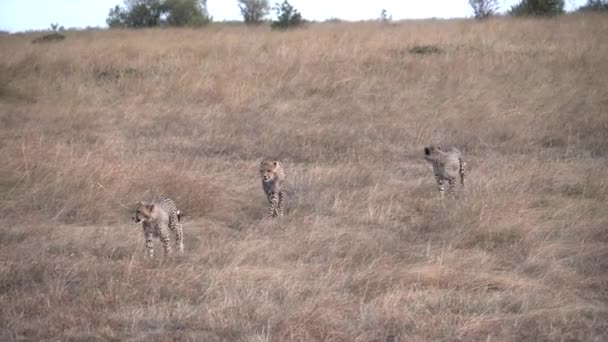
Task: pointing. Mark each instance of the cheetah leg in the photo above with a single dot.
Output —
(441, 184)
(463, 170)
(451, 187)
(149, 245)
(164, 239)
(273, 199)
(177, 228)
(281, 205)
(179, 238)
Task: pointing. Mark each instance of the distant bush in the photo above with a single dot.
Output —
(538, 8)
(385, 17)
(484, 8)
(149, 13)
(254, 11)
(55, 27)
(594, 6)
(287, 16)
(425, 50)
(49, 38)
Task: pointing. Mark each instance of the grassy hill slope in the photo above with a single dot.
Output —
(367, 251)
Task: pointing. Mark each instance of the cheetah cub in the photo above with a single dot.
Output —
(273, 177)
(158, 217)
(447, 165)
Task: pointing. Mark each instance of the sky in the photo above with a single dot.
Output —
(23, 15)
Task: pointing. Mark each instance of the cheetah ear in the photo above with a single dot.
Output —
(151, 207)
(438, 148)
(427, 151)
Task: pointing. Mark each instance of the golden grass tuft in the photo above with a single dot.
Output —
(366, 251)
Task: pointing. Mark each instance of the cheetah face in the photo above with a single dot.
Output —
(143, 212)
(431, 151)
(268, 170)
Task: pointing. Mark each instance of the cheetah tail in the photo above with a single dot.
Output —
(463, 170)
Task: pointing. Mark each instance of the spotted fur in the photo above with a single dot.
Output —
(448, 165)
(273, 176)
(158, 218)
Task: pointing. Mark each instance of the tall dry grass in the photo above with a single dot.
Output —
(366, 252)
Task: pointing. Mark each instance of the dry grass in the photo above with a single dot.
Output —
(366, 252)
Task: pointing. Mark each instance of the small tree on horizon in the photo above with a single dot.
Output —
(254, 11)
(55, 27)
(484, 8)
(385, 17)
(287, 16)
(186, 12)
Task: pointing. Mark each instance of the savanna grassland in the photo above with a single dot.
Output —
(367, 251)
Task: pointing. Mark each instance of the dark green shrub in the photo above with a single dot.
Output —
(186, 13)
(594, 6)
(287, 16)
(49, 38)
(425, 50)
(117, 17)
(538, 8)
(145, 13)
(150, 13)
